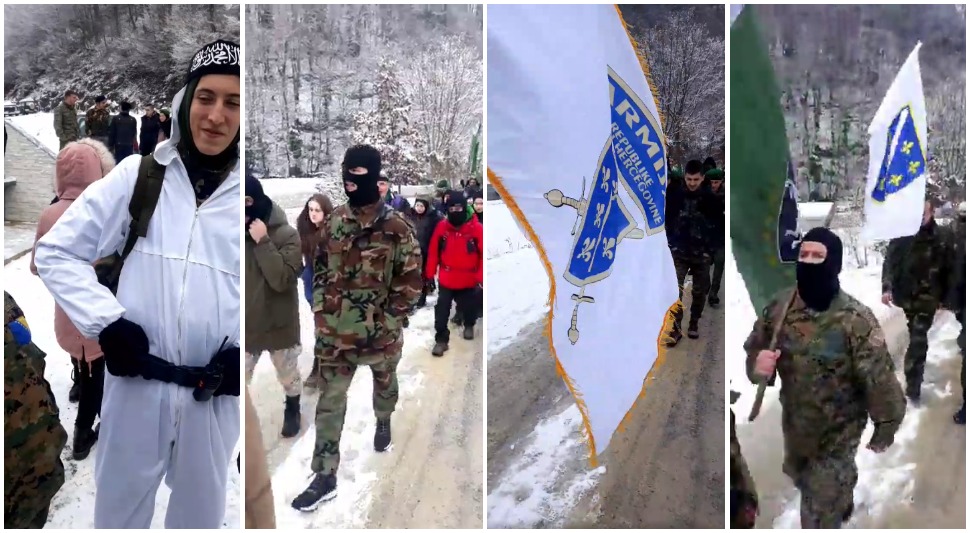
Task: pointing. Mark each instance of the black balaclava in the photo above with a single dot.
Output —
(368, 157)
(818, 284)
(206, 171)
(459, 218)
(262, 206)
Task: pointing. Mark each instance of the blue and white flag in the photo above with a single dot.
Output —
(576, 148)
(896, 185)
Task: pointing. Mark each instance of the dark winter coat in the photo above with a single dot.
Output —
(916, 269)
(166, 130)
(121, 135)
(148, 138)
(272, 268)
(691, 221)
(424, 226)
(718, 213)
(456, 255)
(957, 297)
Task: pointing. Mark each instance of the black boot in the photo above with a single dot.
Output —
(84, 440)
(322, 488)
(713, 301)
(291, 417)
(692, 329)
(439, 349)
(422, 301)
(382, 435)
(674, 337)
(469, 333)
(960, 417)
(913, 391)
(75, 393)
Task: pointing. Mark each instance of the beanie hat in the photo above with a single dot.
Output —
(715, 174)
(441, 186)
(220, 57)
(126, 106)
(100, 99)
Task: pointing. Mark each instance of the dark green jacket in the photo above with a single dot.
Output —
(65, 124)
(916, 269)
(273, 267)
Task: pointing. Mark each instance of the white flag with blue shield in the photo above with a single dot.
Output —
(896, 185)
(576, 149)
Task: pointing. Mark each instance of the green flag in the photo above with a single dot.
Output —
(764, 208)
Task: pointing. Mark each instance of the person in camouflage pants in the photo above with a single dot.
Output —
(744, 494)
(33, 437)
(690, 216)
(956, 300)
(367, 278)
(915, 277)
(836, 374)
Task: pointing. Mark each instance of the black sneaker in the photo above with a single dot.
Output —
(714, 301)
(960, 417)
(469, 333)
(84, 440)
(439, 349)
(382, 435)
(75, 393)
(323, 487)
(692, 330)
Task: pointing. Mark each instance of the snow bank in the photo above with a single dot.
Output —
(503, 235)
(533, 494)
(73, 505)
(518, 291)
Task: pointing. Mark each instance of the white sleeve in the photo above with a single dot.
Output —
(94, 226)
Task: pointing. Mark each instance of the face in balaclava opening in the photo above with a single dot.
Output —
(818, 268)
(361, 171)
(457, 208)
(258, 205)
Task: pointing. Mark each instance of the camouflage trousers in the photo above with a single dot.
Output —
(826, 485)
(699, 268)
(27, 500)
(717, 274)
(331, 409)
(920, 319)
(287, 370)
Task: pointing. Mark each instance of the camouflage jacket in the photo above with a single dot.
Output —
(916, 269)
(65, 123)
(743, 491)
(835, 372)
(32, 433)
(367, 278)
(956, 299)
(97, 121)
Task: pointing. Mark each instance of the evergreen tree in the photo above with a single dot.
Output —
(389, 129)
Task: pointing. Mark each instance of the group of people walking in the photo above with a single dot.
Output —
(120, 133)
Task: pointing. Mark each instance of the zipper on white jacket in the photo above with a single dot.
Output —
(185, 275)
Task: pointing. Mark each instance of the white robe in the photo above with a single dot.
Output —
(181, 284)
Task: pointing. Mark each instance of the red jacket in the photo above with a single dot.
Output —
(460, 260)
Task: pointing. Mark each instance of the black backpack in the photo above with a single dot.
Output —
(144, 199)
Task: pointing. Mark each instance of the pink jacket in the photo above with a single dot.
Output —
(79, 164)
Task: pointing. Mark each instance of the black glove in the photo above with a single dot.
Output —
(430, 284)
(124, 344)
(228, 359)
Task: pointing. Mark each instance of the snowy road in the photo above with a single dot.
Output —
(432, 476)
(73, 506)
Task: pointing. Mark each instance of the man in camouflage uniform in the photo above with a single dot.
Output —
(32, 433)
(690, 212)
(957, 298)
(836, 373)
(367, 278)
(915, 277)
(744, 495)
(98, 120)
(65, 120)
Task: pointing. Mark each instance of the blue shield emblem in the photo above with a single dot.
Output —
(788, 236)
(903, 160)
(633, 159)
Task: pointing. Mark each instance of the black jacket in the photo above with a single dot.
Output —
(149, 130)
(691, 220)
(121, 132)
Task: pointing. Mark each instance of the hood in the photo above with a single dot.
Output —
(426, 203)
(80, 164)
(167, 150)
(277, 217)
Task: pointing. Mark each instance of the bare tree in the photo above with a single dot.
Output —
(687, 68)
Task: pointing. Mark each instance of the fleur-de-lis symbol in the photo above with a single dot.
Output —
(587, 253)
(914, 167)
(605, 184)
(907, 147)
(600, 209)
(896, 179)
(608, 248)
(882, 184)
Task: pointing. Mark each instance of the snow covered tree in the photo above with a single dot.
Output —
(389, 129)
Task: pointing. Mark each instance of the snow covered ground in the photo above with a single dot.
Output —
(41, 127)
(73, 506)
(532, 491)
(887, 480)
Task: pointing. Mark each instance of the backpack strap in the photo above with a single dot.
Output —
(144, 199)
